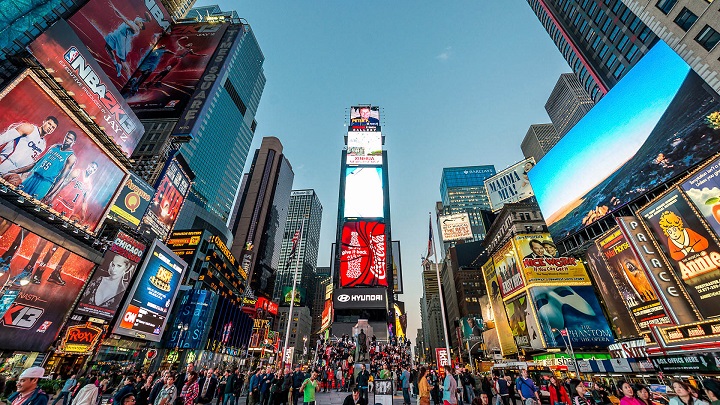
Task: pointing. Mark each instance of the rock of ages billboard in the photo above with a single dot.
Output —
(48, 155)
(68, 60)
(363, 254)
(55, 277)
(120, 33)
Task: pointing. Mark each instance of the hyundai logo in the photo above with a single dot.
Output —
(343, 298)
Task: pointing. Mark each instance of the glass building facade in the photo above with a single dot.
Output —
(462, 189)
(600, 39)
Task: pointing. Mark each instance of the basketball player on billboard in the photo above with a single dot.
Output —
(47, 174)
(181, 52)
(22, 144)
(118, 43)
(30, 272)
(71, 198)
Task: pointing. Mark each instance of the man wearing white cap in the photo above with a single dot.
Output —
(28, 392)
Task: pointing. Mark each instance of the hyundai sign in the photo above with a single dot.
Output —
(370, 298)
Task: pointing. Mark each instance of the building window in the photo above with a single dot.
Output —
(623, 43)
(666, 5)
(606, 26)
(708, 38)
(611, 60)
(631, 53)
(619, 71)
(685, 19)
(635, 24)
(614, 34)
(604, 51)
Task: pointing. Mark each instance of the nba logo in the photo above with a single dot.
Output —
(71, 54)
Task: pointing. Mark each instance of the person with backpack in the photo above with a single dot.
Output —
(527, 389)
(501, 387)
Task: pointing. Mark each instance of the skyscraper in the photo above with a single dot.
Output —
(539, 139)
(304, 204)
(568, 103)
(600, 40)
(260, 224)
(179, 8)
(462, 189)
(690, 27)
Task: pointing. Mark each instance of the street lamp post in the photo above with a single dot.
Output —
(469, 349)
(568, 346)
(182, 327)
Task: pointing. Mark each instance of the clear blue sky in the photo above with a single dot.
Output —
(460, 82)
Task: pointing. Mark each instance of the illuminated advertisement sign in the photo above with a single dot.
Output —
(120, 33)
(370, 298)
(185, 243)
(523, 324)
(266, 305)
(364, 148)
(300, 295)
(326, 315)
(81, 339)
(107, 286)
(692, 251)
(652, 126)
(397, 267)
(132, 201)
(62, 53)
(147, 308)
(510, 185)
(703, 189)
(502, 325)
(229, 328)
(510, 277)
(195, 309)
(48, 155)
(364, 118)
(165, 206)
(364, 196)
(621, 322)
(170, 72)
(541, 262)
(472, 327)
(55, 275)
(442, 359)
(575, 308)
(455, 227)
(363, 256)
(631, 281)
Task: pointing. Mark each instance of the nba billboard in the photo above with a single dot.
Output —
(363, 254)
(510, 185)
(172, 189)
(147, 307)
(364, 148)
(68, 60)
(364, 118)
(169, 73)
(653, 126)
(364, 195)
(49, 156)
(120, 33)
(33, 321)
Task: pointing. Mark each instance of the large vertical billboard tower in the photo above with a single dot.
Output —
(363, 278)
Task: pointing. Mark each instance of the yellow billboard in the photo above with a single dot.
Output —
(502, 325)
(542, 264)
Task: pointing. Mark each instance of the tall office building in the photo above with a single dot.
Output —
(304, 204)
(322, 283)
(462, 189)
(179, 8)
(263, 212)
(539, 139)
(690, 27)
(600, 40)
(568, 103)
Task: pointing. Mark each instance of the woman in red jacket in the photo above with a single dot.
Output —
(558, 393)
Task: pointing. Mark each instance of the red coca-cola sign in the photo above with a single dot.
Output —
(363, 255)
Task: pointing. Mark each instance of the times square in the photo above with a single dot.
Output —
(155, 249)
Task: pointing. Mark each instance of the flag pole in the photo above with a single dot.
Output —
(292, 298)
(440, 291)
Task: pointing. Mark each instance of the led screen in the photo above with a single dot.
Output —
(364, 148)
(363, 256)
(165, 206)
(655, 124)
(364, 192)
(364, 118)
(48, 155)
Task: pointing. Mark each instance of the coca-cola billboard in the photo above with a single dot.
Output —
(363, 254)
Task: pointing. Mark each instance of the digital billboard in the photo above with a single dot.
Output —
(651, 127)
(502, 325)
(47, 154)
(508, 270)
(703, 189)
(185, 244)
(165, 206)
(364, 118)
(56, 275)
(120, 33)
(195, 309)
(300, 295)
(574, 308)
(472, 327)
(620, 321)
(542, 264)
(327, 315)
(455, 227)
(510, 185)
(169, 73)
(363, 254)
(523, 324)
(108, 285)
(364, 196)
(65, 57)
(132, 201)
(631, 282)
(692, 251)
(364, 148)
(151, 298)
(397, 267)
